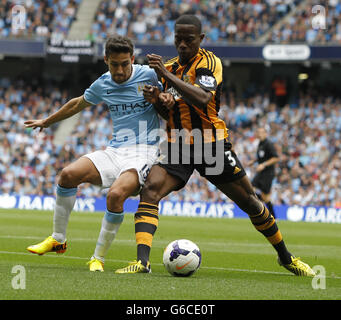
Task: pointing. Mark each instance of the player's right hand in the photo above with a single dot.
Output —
(167, 100)
(36, 124)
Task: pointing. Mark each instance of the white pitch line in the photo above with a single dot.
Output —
(160, 264)
(236, 244)
(55, 256)
(125, 261)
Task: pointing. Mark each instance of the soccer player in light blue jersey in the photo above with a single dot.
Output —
(124, 165)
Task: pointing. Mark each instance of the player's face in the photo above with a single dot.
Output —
(187, 41)
(120, 66)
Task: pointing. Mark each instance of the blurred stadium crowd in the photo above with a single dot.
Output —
(298, 26)
(44, 18)
(29, 160)
(223, 21)
(274, 21)
(307, 135)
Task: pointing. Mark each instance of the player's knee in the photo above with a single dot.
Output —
(151, 192)
(253, 205)
(67, 178)
(115, 199)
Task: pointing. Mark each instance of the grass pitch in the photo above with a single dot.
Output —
(237, 261)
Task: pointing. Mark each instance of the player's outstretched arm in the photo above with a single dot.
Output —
(267, 163)
(69, 109)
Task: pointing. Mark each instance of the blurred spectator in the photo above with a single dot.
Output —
(279, 87)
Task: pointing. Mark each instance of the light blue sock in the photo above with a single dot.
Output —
(111, 222)
(65, 200)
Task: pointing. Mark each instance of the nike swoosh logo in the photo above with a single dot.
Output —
(183, 266)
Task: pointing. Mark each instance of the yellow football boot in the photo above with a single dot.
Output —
(96, 265)
(48, 245)
(135, 267)
(298, 267)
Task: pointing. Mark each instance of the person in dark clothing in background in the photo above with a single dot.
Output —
(266, 158)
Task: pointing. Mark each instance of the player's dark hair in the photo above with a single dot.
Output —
(189, 19)
(119, 44)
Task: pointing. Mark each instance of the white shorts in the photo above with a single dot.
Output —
(112, 162)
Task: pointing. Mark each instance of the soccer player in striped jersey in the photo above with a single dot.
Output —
(124, 165)
(195, 80)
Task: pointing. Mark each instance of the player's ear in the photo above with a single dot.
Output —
(132, 59)
(106, 60)
(202, 36)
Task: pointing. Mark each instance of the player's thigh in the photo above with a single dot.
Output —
(80, 171)
(242, 194)
(159, 184)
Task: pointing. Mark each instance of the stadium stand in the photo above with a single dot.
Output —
(223, 21)
(297, 28)
(44, 18)
(307, 134)
(270, 21)
(29, 160)
(273, 21)
(85, 16)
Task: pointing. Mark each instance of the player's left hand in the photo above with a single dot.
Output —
(151, 94)
(155, 62)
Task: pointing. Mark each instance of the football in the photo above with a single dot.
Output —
(182, 258)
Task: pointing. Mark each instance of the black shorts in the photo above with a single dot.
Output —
(263, 181)
(217, 162)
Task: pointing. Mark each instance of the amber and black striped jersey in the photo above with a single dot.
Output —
(204, 71)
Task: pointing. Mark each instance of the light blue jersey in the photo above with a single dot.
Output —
(135, 121)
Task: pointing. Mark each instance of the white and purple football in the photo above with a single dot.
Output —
(182, 258)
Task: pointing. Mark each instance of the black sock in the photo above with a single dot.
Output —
(143, 252)
(283, 252)
(266, 224)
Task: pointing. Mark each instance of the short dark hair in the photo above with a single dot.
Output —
(118, 44)
(189, 19)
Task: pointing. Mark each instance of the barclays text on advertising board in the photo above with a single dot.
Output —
(176, 208)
